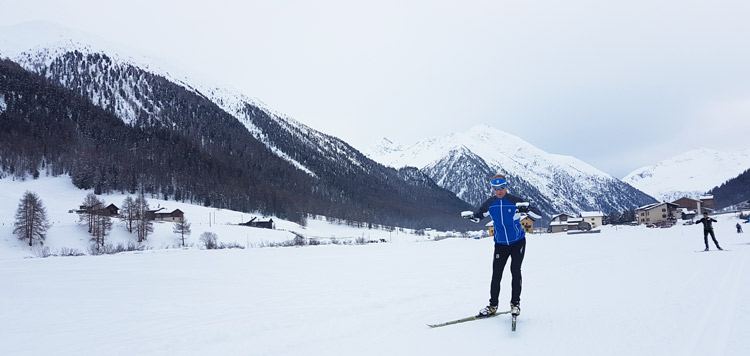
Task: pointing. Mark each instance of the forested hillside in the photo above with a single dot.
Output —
(733, 191)
(195, 152)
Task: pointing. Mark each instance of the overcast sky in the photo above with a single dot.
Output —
(617, 84)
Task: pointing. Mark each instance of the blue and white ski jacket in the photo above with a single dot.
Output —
(505, 218)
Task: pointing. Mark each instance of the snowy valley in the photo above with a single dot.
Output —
(314, 285)
(626, 290)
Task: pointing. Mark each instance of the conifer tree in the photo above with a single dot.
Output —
(182, 227)
(31, 219)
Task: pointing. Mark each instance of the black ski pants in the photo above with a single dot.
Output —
(713, 237)
(516, 251)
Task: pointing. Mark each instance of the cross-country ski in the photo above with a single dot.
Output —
(463, 320)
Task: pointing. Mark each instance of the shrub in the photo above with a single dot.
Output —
(209, 240)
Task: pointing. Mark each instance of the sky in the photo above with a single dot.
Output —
(617, 84)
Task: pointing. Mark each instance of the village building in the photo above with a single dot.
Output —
(562, 217)
(708, 203)
(261, 223)
(657, 213)
(594, 218)
(566, 222)
(527, 221)
(687, 203)
(571, 224)
(160, 215)
(109, 210)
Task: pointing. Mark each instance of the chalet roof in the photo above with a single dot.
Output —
(591, 214)
(255, 220)
(166, 213)
(691, 199)
(707, 197)
(531, 215)
(554, 216)
(654, 205)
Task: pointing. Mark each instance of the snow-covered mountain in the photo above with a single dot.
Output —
(111, 76)
(464, 162)
(689, 174)
(340, 180)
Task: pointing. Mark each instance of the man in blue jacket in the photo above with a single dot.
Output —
(510, 242)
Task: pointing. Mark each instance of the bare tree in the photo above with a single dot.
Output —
(182, 227)
(90, 205)
(102, 225)
(129, 213)
(31, 219)
(143, 225)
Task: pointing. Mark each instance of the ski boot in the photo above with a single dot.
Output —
(487, 311)
(515, 309)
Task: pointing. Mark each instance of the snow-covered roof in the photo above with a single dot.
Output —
(591, 214)
(706, 197)
(531, 215)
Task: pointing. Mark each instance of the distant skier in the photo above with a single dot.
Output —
(509, 242)
(739, 228)
(708, 229)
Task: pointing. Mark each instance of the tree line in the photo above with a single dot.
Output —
(32, 223)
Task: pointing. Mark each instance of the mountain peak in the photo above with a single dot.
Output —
(462, 162)
(690, 174)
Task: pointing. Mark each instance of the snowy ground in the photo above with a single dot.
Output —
(59, 196)
(624, 291)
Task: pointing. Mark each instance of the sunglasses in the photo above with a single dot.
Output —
(499, 184)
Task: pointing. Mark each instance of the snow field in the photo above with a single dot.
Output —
(624, 291)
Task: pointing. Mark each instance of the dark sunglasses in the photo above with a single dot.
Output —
(499, 186)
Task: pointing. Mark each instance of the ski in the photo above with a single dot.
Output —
(471, 318)
(713, 250)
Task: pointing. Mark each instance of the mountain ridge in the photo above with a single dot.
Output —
(689, 174)
(555, 183)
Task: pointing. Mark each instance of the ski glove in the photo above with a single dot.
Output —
(469, 215)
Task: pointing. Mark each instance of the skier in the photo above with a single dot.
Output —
(739, 228)
(708, 229)
(509, 242)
